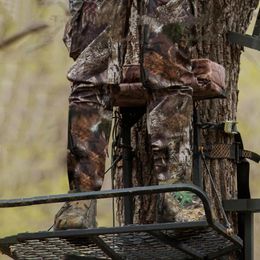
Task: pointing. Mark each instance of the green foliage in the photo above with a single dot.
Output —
(183, 197)
(174, 31)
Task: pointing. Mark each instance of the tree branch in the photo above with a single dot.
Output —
(29, 30)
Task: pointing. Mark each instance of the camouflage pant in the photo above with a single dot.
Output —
(90, 118)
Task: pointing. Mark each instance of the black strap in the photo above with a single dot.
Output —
(243, 168)
(250, 155)
(197, 176)
(256, 31)
(233, 151)
(249, 41)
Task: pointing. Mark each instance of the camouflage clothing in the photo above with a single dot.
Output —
(90, 120)
(89, 130)
(169, 125)
(118, 41)
(129, 41)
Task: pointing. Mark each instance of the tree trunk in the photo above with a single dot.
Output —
(214, 19)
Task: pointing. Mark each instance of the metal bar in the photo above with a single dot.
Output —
(155, 189)
(76, 257)
(5, 245)
(224, 251)
(176, 244)
(256, 31)
(249, 41)
(249, 236)
(242, 205)
(127, 166)
(224, 232)
(197, 172)
(103, 231)
(106, 248)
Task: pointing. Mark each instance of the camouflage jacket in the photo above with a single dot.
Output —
(144, 41)
(115, 41)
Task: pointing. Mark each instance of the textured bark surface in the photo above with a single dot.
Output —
(214, 20)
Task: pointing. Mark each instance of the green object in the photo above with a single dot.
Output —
(174, 31)
(183, 197)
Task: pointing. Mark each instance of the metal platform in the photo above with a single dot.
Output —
(188, 240)
(193, 240)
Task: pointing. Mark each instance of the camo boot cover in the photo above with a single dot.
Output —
(88, 137)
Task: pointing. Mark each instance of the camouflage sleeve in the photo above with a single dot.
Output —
(84, 26)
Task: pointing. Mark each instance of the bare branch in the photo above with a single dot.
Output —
(29, 30)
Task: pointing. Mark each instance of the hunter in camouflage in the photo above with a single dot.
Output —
(129, 41)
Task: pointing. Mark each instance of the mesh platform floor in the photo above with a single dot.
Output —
(193, 240)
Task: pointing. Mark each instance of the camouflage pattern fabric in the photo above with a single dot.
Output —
(110, 40)
(76, 215)
(169, 125)
(90, 119)
(105, 36)
(89, 130)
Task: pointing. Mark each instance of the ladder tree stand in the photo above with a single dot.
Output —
(207, 239)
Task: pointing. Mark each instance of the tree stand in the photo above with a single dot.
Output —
(207, 239)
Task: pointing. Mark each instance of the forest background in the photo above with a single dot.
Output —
(33, 114)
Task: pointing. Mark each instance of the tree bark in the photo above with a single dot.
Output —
(214, 19)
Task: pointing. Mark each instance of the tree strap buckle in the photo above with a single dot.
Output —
(230, 127)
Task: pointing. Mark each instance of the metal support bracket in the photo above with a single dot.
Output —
(197, 168)
(250, 41)
(246, 40)
(129, 117)
(246, 208)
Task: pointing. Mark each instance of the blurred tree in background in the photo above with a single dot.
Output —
(33, 112)
(248, 119)
(33, 109)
